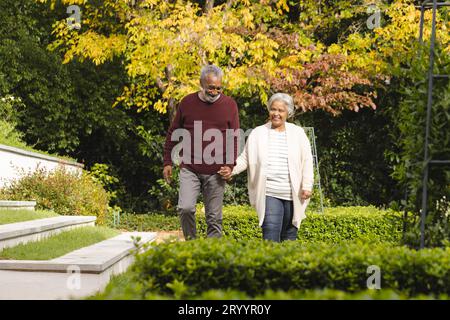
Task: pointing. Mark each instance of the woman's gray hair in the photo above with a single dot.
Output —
(210, 69)
(287, 99)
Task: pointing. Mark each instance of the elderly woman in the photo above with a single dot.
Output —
(278, 159)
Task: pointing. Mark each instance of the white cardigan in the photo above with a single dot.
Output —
(300, 162)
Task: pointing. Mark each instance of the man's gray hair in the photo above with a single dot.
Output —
(283, 97)
(210, 69)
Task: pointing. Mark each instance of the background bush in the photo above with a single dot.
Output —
(146, 222)
(193, 267)
(334, 225)
(241, 223)
(8, 121)
(65, 192)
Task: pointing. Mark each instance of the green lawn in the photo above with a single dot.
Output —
(10, 136)
(59, 245)
(12, 216)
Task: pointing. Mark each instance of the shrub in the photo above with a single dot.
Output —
(124, 287)
(105, 176)
(65, 192)
(8, 121)
(193, 267)
(167, 193)
(334, 225)
(241, 222)
(146, 222)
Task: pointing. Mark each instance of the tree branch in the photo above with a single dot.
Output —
(209, 4)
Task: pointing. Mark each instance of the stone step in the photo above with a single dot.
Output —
(77, 274)
(13, 234)
(17, 205)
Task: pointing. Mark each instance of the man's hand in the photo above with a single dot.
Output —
(167, 173)
(305, 195)
(225, 172)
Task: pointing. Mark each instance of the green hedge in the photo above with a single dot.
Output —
(325, 294)
(145, 222)
(122, 287)
(334, 225)
(241, 222)
(190, 268)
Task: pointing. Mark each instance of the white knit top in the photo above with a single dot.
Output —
(278, 183)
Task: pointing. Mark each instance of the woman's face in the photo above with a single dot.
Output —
(278, 113)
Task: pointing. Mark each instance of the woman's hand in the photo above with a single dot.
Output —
(305, 194)
(167, 173)
(225, 172)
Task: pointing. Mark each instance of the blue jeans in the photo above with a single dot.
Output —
(277, 225)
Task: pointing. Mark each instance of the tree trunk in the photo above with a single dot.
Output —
(209, 4)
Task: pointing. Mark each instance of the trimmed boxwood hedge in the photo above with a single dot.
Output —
(122, 287)
(241, 222)
(146, 222)
(334, 225)
(190, 268)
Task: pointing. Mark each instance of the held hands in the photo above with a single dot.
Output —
(305, 195)
(225, 172)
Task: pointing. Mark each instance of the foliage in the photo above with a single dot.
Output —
(167, 194)
(8, 121)
(256, 266)
(164, 43)
(122, 287)
(408, 161)
(10, 109)
(151, 222)
(241, 223)
(68, 107)
(350, 151)
(324, 84)
(333, 226)
(101, 173)
(236, 191)
(60, 190)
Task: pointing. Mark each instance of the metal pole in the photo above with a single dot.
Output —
(427, 129)
(312, 137)
(316, 160)
(422, 18)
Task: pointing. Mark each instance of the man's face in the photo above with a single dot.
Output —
(212, 86)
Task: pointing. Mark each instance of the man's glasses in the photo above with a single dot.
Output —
(211, 88)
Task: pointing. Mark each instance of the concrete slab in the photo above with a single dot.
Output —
(92, 259)
(22, 232)
(17, 205)
(76, 275)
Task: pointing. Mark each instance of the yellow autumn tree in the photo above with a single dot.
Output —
(163, 44)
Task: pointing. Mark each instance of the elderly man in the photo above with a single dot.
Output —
(200, 116)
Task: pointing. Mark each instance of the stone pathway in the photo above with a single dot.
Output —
(169, 236)
(78, 274)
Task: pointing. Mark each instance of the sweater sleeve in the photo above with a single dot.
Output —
(234, 124)
(308, 167)
(241, 161)
(169, 144)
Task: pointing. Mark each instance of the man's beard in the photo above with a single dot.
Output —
(209, 98)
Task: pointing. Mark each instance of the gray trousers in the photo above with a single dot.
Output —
(212, 188)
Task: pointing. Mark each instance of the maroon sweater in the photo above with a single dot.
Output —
(203, 154)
